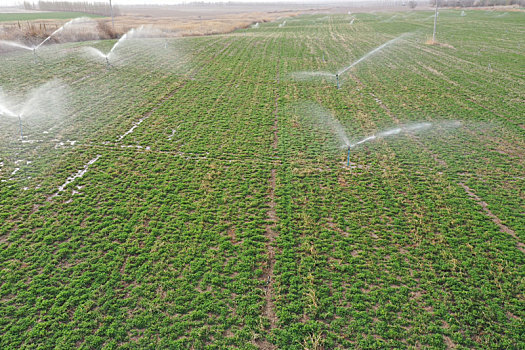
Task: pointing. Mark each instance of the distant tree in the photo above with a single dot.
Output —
(98, 8)
(28, 5)
(412, 4)
(476, 3)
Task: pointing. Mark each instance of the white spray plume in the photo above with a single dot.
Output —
(367, 55)
(408, 128)
(323, 120)
(15, 44)
(315, 75)
(135, 33)
(66, 25)
(47, 101)
(6, 106)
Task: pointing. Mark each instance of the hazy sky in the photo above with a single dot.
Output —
(172, 2)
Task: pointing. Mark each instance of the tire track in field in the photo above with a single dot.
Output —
(271, 234)
(495, 219)
(503, 228)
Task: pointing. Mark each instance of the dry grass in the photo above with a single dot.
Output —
(194, 27)
(33, 32)
(430, 41)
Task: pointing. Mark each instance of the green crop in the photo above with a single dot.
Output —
(211, 215)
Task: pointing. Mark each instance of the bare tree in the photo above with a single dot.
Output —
(96, 8)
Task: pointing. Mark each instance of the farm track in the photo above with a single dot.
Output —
(271, 234)
(493, 217)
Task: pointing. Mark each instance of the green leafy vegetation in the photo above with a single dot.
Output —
(215, 217)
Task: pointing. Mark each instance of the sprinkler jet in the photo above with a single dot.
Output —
(342, 71)
(8, 113)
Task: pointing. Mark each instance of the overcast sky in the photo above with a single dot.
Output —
(174, 2)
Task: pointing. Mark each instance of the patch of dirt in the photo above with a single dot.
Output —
(449, 343)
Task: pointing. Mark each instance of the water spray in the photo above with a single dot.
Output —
(42, 102)
(60, 29)
(7, 113)
(107, 56)
(367, 55)
(35, 48)
(15, 44)
(396, 131)
(309, 75)
(324, 120)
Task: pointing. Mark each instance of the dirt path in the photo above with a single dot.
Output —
(271, 234)
(495, 219)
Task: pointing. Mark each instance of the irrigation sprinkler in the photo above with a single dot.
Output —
(348, 157)
(36, 57)
(21, 133)
(337, 80)
(435, 23)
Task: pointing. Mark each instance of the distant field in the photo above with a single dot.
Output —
(7, 17)
(195, 194)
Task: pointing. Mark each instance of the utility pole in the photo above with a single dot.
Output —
(113, 19)
(435, 23)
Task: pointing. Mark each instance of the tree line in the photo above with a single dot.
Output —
(96, 8)
(476, 3)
